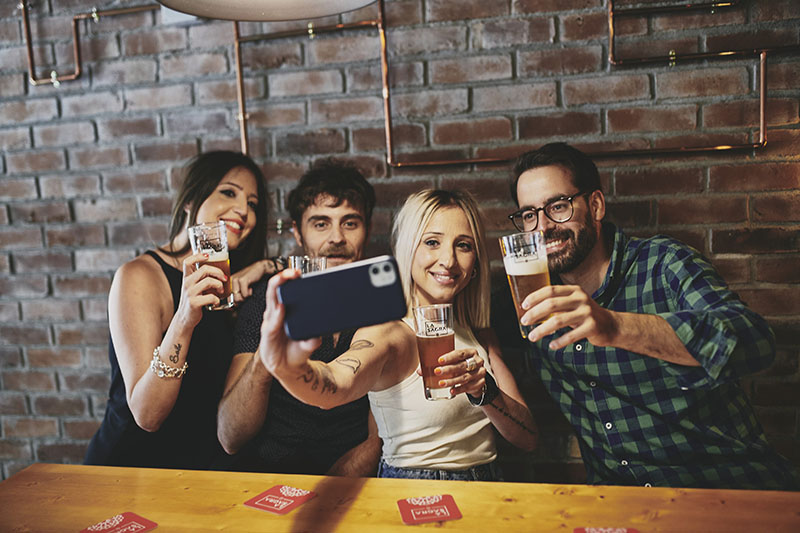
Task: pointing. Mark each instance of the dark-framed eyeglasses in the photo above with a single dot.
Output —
(559, 210)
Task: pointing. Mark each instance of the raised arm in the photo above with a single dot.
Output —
(140, 309)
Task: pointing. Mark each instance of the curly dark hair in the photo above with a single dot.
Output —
(583, 170)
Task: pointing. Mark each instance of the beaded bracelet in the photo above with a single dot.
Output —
(163, 370)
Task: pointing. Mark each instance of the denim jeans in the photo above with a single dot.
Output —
(487, 472)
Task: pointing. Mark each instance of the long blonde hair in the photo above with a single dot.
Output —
(471, 305)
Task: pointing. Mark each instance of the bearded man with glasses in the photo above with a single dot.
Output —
(640, 342)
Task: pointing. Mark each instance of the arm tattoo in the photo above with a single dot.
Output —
(350, 362)
(511, 417)
(174, 357)
(360, 344)
(321, 380)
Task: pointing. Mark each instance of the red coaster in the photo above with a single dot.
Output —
(428, 509)
(122, 523)
(280, 499)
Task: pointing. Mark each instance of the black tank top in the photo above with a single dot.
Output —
(187, 438)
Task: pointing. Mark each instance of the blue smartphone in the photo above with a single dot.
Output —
(354, 295)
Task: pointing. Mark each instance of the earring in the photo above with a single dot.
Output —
(474, 273)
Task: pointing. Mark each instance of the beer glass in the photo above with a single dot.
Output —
(212, 239)
(306, 264)
(525, 261)
(435, 337)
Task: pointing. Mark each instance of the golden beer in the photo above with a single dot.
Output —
(430, 349)
(212, 238)
(222, 262)
(525, 262)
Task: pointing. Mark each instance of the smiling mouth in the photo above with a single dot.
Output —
(233, 226)
(444, 279)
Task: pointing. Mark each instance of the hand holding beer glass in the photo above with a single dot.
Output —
(525, 262)
(435, 337)
(212, 239)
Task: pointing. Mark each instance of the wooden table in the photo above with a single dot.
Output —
(51, 497)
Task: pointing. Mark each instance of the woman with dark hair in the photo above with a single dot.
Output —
(169, 355)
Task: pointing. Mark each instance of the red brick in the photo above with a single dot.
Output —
(97, 357)
(176, 125)
(345, 110)
(61, 453)
(400, 75)
(584, 26)
(15, 139)
(28, 380)
(648, 46)
(95, 309)
(305, 83)
(93, 48)
(392, 193)
(783, 143)
(323, 141)
(701, 210)
(75, 235)
(15, 58)
(278, 115)
(430, 103)
(63, 134)
(59, 406)
(40, 161)
(158, 97)
(91, 104)
(105, 209)
(705, 82)
(24, 334)
(540, 6)
(12, 85)
(746, 113)
(193, 66)
(514, 97)
(405, 42)
(137, 233)
(101, 260)
(23, 286)
(122, 73)
(16, 238)
(777, 207)
(91, 381)
(755, 241)
(50, 309)
(658, 180)
(79, 334)
(54, 356)
(778, 269)
(156, 206)
(17, 189)
(225, 90)
(69, 186)
(9, 312)
(783, 76)
(42, 261)
(630, 214)
(11, 404)
(95, 157)
(80, 429)
(678, 140)
(40, 212)
(212, 34)
(749, 40)
(403, 135)
(733, 269)
(343, 48)
(28, 110)
(470, 69)
(170, 152)
(29, 427)
(485, 190)
(652, 120)
(472, 131)
(442, 10)
(153, 41)
(560, 61)
(271, 55)
(679, 22)
(506, 33)
(778, 10)
(606, 89)
(755, 177)
(130, 181)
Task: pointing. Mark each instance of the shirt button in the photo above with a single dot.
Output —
(609, 425)
(648, 485)
(593, 384)
(624, 462)
(578, 347)
(684, 388)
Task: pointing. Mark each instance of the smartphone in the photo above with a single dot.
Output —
(353, 295)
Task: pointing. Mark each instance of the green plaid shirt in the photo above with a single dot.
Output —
(644, 421)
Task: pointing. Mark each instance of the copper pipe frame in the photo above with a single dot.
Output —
(54, 79)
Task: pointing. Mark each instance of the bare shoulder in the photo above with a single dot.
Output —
(141, 281)
(389, 333)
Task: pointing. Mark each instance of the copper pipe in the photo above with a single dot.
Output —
(305, 31)
(76, 49)
(242, 116)
(387, 103)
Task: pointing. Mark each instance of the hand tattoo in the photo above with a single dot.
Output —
(351, 363)
(174, 357)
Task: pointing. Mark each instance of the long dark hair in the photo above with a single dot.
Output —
(201, 176)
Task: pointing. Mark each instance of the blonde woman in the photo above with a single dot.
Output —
(439, 244)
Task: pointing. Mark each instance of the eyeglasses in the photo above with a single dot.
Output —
(559, 210)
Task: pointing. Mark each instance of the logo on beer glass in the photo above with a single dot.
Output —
(436, 329)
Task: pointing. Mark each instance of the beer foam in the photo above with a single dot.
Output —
(521, 266)
(217, 256)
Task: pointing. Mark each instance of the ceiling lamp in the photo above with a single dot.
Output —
(264, 10)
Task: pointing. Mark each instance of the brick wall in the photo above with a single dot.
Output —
(88, 168)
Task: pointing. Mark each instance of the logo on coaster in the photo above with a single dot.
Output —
(428, 509)
(280, 499)
(122, 523)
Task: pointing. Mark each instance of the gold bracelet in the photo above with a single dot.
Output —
(163, 370)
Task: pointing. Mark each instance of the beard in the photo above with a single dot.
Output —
(342, 252)
(578, 246)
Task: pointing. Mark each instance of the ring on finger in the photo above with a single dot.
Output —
(471, 364)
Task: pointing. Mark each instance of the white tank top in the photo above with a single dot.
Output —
(443, 434)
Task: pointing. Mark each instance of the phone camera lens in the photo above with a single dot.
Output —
(375, 270)
(387, 268)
